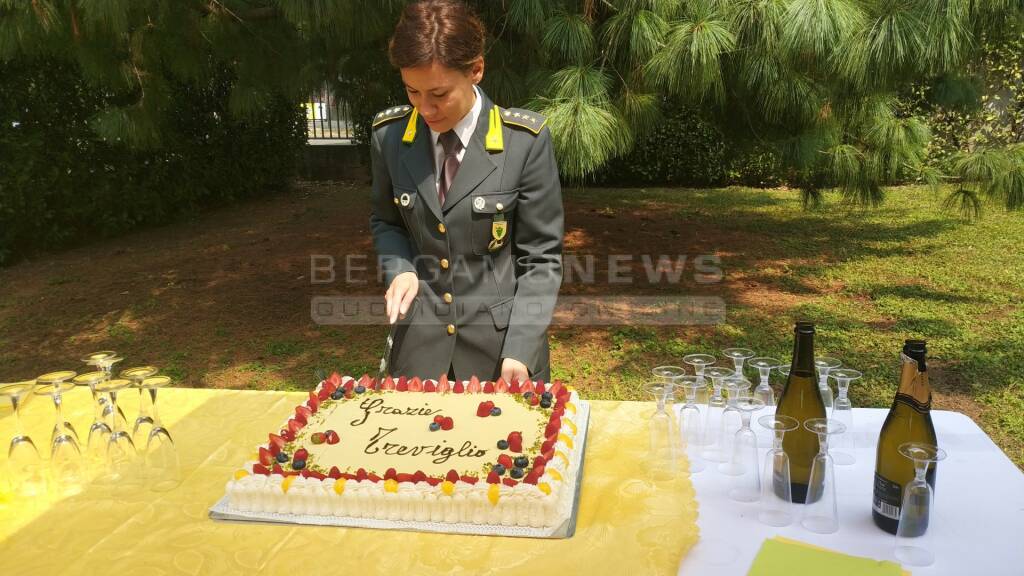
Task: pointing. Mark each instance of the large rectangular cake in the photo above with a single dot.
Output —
(402, 449)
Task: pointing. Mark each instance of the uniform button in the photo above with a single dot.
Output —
(451, 329)
(448, 297)
(499, 206)
(444, 263)
(396, 200)
(441, 228)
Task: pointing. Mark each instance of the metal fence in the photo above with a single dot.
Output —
(328, 118)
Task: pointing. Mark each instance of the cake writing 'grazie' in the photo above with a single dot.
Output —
(473, 452)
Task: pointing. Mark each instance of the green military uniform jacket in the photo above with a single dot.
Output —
(489, 261)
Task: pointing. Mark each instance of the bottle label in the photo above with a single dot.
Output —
(887, 500)
(914, 403)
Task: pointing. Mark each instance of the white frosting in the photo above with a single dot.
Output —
(520, 505)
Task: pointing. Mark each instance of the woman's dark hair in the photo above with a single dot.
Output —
(444, 30)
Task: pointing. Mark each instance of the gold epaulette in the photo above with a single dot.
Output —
(391, 114)
(528, 119)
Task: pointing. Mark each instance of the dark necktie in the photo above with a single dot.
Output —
(452, 146)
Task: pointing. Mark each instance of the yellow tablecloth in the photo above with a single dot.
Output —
(628, 523)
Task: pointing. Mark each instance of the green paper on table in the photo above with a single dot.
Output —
(784, 557)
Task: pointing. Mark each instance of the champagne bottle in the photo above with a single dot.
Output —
(800, 399)
(909, 420)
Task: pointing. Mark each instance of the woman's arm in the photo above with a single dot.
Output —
(390, 238)
(537, 246)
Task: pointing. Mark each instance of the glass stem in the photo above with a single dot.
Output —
(777, 442)
(58, 404)
(823, 444)
(16, 405)
(156, 416)
(920, 471)
(114, 406)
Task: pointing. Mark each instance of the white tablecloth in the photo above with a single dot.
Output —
(979, 524)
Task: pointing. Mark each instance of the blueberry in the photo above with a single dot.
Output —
(337, 394)
(434, 426)
(282, 457)
(527, 395)
(521, 461)
(299, 464)
(516, 473)
(360, 389)
(498, 469)
(495, 411)
(502, 444)
(545, 403)
(546, 396)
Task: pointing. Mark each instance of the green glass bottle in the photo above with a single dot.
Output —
(800, 399)
(909, 420)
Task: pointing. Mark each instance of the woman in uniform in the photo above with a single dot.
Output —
(466, 210)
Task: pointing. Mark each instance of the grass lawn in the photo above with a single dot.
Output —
(223, 300)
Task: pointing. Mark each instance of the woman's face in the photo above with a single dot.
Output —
(442, 95)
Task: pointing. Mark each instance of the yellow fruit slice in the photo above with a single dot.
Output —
(493, 493)
(287, 483)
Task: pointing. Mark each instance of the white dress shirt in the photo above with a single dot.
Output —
(463, 129)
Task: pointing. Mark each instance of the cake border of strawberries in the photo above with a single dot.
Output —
(541, 499)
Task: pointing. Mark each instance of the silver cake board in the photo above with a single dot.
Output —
(222, 511)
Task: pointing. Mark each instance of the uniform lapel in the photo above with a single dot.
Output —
(476, 163)
(418, 159)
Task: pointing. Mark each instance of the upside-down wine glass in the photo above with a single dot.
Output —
(844, 447)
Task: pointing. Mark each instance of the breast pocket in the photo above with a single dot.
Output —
(407, 199)
(493, 215)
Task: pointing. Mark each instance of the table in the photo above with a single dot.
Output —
(628, 523)
(979, 507)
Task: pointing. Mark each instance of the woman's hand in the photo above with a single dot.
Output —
(400, 295)
(512, 369)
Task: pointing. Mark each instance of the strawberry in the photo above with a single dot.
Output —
(266, 458)
(314, 474)
(366, 382)
(318, 438)
(469, 479)
(350, 385)
(506, 461)
(294, 425)
(334, 473)
(361, 474)
(552, 427)
(532, 477)
(493, 478)
(526, 387)
(304, 412)
(484, 409)
(539, 460)
(513, 388)
(434, 481)
(556, 388)
(335, 379)
(276, 442)
(548, 444)
(535, 400)
(390, 474)
(509, 482)
(288, 435)
(447, 423)
(389, 383)
(403, 386)
(313, 402)
(538, 387)
(429, 386)
(548, 454)
(538, 470)
(415, 385)
(419, 476)
(489, 387)
(301, 454)
(324, 393)
(442, 383)
(403, 477)
(331, 437)
(373, 478)
(515, 441)
(458, 388)
(452, 476)
(474, 385)
(260, 469)
(276, 469)
(500, 386)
